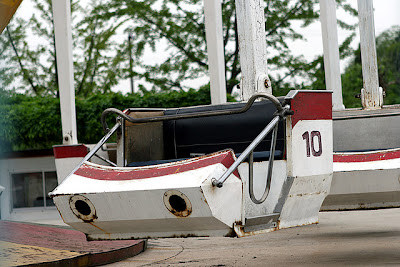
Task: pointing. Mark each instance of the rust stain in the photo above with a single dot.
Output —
(309, 194)
(181, 214)
(201, 191)
(59, 213)
(241, 233)
(104, 231)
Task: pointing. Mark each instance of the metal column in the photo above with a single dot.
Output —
(63, 36)
(371, 94)
(331, 52)
(253, 47)
(215, 50)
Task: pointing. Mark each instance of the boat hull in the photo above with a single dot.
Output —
(365, 180)
(366, 172)
(136, 203)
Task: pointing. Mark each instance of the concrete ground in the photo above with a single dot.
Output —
(363, 238)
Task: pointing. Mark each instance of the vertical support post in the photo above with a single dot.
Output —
(371, 94)
(130, 38)
(1, 191)
(215, 49)
(331, 52)
(253, 47)
(63, 37)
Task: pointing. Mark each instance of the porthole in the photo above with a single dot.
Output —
(177, 203)
(82, 208)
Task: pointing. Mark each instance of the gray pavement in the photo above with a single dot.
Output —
(363, 238)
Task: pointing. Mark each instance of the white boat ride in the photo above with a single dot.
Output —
(220, 170)
(241, 168)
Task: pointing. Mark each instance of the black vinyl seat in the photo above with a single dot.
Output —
(187, 138)
(198, 136)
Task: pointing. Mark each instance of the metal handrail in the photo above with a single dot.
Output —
(249, 103)
(219, 182)
(248, 152)
(269, 175)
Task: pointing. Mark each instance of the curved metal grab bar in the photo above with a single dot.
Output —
(249, 103)
(219, 182)
(269, 175)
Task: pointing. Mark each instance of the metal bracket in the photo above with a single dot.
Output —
(261, 222)
(67, 139)
(263, 83)
(363, 97)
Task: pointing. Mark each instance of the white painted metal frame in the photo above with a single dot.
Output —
(63, 36)
(371, 94)
(215, 50)
(331, 52)
(253, 48)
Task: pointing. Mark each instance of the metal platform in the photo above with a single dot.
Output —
(24, 244)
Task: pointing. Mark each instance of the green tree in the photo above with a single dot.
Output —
(388, 50)
(180, 24)
(388, 57)
(29, 58)
(30, 122)
(101, 56)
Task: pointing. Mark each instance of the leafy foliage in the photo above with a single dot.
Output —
(388, 50)
(101, 57)
(388, 56)
(29, 122)
(180, 24)
(28, 51)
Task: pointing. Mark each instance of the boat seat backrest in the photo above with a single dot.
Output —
(186, 138)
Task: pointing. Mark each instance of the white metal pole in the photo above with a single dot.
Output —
(371, 94)
(331, 52)
(215, 49)
(253, 47)
(63, 37)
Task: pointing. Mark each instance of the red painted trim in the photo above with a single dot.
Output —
(311, 106)
(366, 157)
(226, 158)
(70, 151)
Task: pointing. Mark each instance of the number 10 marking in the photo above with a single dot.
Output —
(311, 149)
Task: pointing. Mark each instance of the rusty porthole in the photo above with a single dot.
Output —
(177, 203)
(82, 208)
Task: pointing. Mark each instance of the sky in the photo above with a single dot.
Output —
(386, 15)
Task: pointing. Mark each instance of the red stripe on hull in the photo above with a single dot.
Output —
(367, 157)
(311, 106)
(226, 158)
(70, 151)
